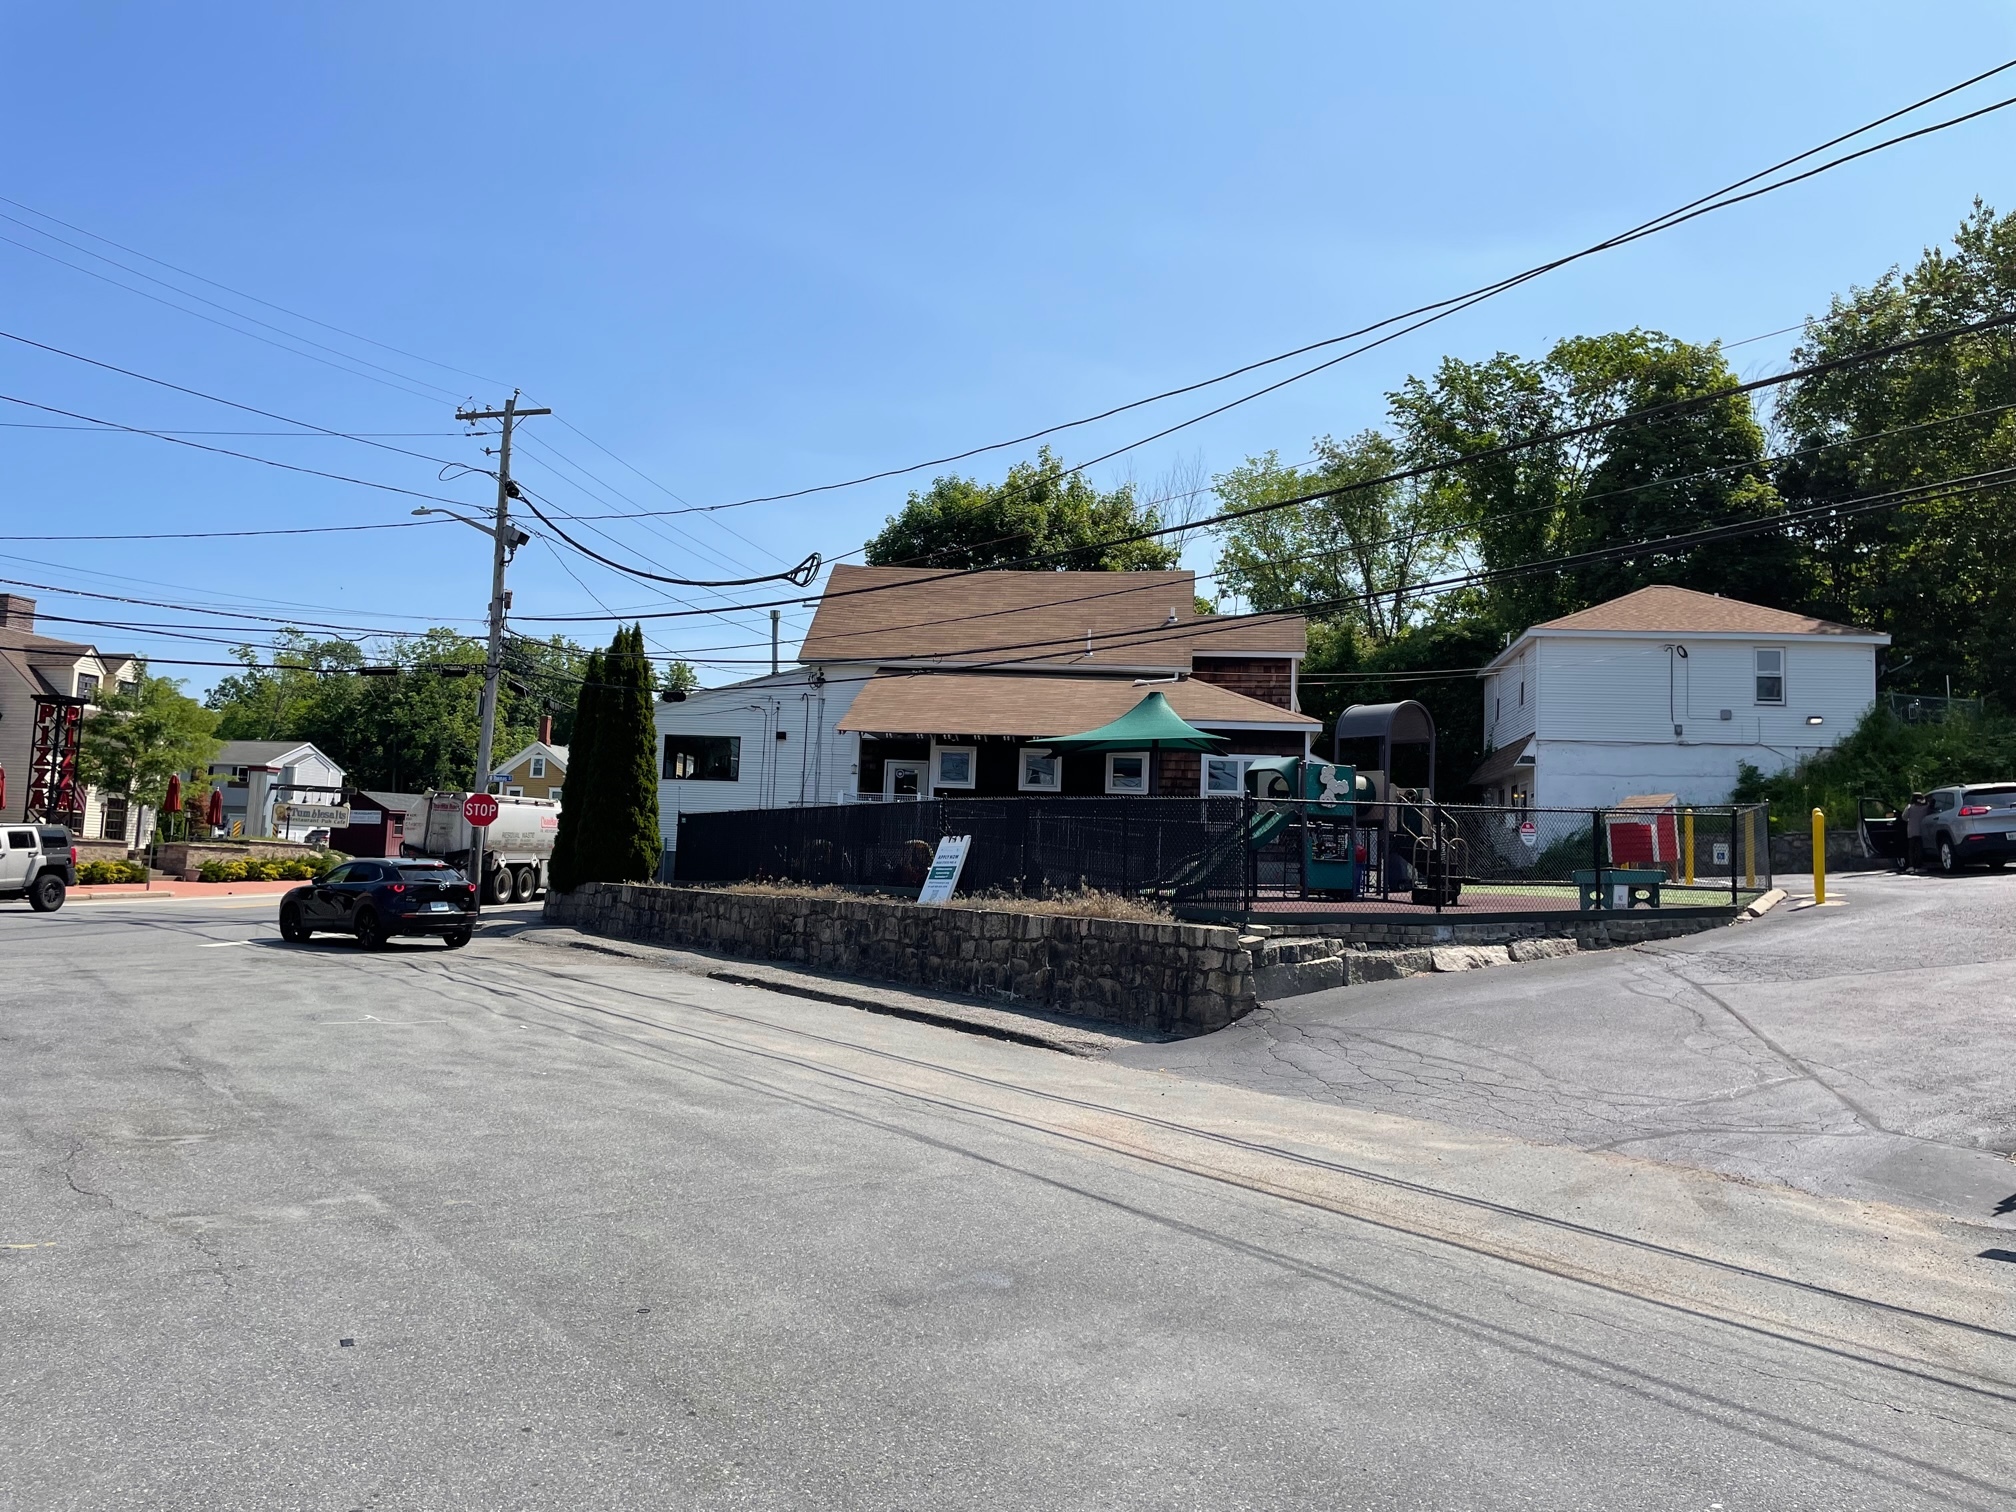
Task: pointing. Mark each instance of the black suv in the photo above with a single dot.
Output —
(375, 900)
(37, 862)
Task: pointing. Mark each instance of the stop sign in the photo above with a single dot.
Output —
(480, 809)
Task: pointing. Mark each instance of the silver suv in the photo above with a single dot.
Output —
(1970, 826)
(37, 862)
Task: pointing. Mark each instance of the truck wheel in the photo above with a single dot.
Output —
(497, 886)
(523, 880)
(46, 893)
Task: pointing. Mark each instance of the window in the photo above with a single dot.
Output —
(20, 839)
(348, 872)
(952, 766)
(128, 687)
(1226, 774)
(554, 794)
(703, 758)
(1041, 773)
(538, 766)
(1127, 772)
(1770, 675)
(514, 792)
(87, 685)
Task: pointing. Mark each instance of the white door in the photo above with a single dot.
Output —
(903, 779)
(19, 852)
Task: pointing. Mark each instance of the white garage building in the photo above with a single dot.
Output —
(1666, 690)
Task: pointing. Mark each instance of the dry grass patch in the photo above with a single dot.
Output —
(1088, 903)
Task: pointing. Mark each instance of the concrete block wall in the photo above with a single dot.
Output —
(1166, 978)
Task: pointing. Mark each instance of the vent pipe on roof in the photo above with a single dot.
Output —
(775, 615)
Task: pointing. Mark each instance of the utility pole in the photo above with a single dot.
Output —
(493, 661)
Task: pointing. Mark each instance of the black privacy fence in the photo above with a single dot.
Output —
(1029, 845)
(1238, 852)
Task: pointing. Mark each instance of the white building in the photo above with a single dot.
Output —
(1666, 691)
(256, 774)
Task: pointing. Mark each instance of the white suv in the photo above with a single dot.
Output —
(37, 862)
(1969, 826)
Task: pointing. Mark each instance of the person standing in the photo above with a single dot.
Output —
(1914, 825)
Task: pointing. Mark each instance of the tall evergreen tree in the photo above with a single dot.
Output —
(565, 869)
(627, 819)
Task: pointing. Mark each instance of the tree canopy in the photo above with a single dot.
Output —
(1039, 510)
(134, 741)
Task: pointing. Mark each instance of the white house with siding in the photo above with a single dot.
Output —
(1666, 690)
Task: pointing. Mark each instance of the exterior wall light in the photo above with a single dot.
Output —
(1814, 719)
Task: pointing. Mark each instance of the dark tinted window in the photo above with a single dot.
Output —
(413, 872)
(55, 837)
(2001, 795)
(20, 839)
(349, 871)
(703, 758)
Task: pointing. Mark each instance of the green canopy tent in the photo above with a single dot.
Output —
(1151, 725)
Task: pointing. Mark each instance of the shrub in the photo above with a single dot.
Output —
(1888, 760)
(100, 873)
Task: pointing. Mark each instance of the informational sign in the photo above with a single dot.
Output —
(480, 809)
(313, 815)
(945, 869)
(1721, 852)
(1529, 834)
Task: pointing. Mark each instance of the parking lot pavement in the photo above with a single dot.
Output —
(1857, 1051)
(313, 1227)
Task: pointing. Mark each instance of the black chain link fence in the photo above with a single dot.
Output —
(1232, 854)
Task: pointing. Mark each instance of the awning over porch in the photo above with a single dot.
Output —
(1031, 706)
(1497, 767)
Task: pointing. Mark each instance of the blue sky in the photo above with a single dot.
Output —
(754, 248)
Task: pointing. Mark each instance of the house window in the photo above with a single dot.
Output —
(514, 792)
(554, 794)
(538, 766)
(1226, 775)
(952, 766)
(1770, 675)
(87, 685)
(1041, 772)
(128, 687)
(1127, 772)
(703, 758)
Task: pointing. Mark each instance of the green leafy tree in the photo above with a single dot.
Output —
(1940, 575)
(1039, 509)
(134, 741)
(628, 845)
(407, 722)
(679, 677)
(583, 788)
(1367, 549)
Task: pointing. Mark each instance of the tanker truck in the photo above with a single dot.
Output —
(515, 851)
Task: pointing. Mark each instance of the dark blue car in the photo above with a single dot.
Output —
(375, 900)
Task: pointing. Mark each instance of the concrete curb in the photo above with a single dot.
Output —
(1762, 904)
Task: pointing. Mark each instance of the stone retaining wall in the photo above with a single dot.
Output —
(1168, 978)
(183, 858)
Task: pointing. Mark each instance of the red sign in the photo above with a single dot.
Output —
(480, 809)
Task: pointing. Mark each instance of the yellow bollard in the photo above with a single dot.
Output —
(1819, 856)
(1687, 845)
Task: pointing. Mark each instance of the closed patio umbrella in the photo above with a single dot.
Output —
(172, 804)
(215, 817)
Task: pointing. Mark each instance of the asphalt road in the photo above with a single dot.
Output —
(1860, 1050)
(527, 1227)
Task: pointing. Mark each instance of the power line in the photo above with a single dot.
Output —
(1717, 200)
(801, 575)
(1546, 438)
(224, 451)
(223, 535)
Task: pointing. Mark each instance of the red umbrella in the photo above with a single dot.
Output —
(215, 818)
(172, 804)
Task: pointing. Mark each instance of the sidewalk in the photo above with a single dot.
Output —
(180, 890)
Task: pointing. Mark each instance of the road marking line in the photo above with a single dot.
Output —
(42, 1244)
(221, 944)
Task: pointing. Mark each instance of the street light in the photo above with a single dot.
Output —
(518, 537)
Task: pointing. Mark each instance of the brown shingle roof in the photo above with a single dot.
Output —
(1031, 706)
(1028, 618)
(1663, 609)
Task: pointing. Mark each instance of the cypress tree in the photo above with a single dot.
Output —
(565, 870)
(629, 756)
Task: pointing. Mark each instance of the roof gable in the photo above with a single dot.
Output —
(1076, 619)
(556, 756)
